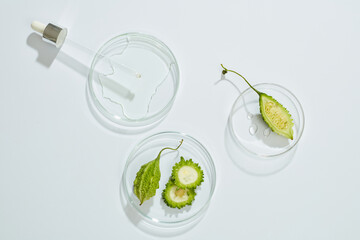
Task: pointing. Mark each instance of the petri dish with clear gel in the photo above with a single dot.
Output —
(248, 132)
(133, 80)
(154, 212)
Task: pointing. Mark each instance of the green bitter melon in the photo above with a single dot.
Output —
(187, 174)
(274, 114)
(176, 197)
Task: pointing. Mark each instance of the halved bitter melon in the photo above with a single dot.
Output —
(187, 174)
(274, 114)
(176, 197)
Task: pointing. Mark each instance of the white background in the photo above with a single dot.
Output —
(60, 169)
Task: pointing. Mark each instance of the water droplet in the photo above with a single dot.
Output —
(253, 129)
(222, 77)
(267, 132)
(250, 116)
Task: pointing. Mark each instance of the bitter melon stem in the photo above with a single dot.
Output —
(228, 70)
(174, 149)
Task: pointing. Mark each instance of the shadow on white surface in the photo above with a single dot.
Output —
(255, 165)
(147, 226)
(275, 141)
(223, 78)
(46, 52)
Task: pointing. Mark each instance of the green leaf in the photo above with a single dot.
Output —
(147, 180)
(148, 177)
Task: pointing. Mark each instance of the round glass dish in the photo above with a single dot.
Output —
(154, 210)
(133, 80)
(251, 133)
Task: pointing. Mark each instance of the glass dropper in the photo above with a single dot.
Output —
(57, 36)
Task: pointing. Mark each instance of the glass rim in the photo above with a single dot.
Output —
(292, 98)
(211, 166)
(147, 120)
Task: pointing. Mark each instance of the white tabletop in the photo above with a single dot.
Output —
(60, 168)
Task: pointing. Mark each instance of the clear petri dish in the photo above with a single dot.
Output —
(133, 80)
(249, 130)
(154, 211)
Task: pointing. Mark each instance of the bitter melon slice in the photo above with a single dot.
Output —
(274, 114)
(187, 174)
(176, 197)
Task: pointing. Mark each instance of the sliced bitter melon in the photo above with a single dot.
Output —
(187, 174)
(176, 197)
(274, 114)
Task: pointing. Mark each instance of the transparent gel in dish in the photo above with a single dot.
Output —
(133, 80)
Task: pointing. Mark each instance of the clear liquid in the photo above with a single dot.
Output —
(267, 132)
(134, 86)
(253, 129)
